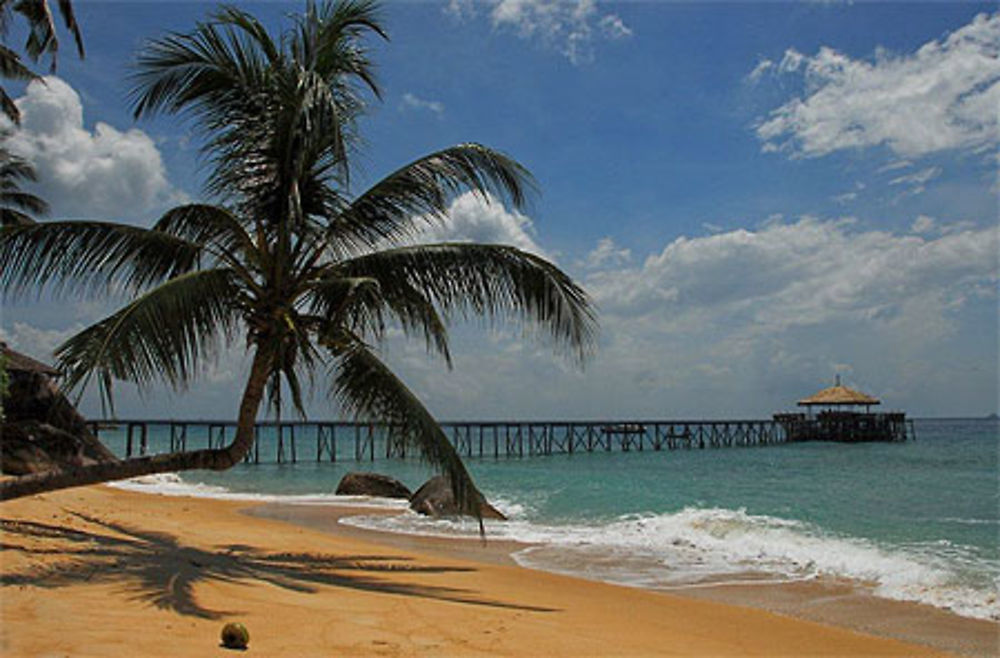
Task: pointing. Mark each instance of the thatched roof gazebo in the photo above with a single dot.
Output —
(838, 396)
(836, 421)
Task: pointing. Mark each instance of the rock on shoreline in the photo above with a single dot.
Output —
(434, 498)
(372, 484)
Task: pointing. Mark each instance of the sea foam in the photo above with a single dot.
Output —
(171, 484)
(697, 546)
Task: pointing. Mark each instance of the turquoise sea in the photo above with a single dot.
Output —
(915, 521)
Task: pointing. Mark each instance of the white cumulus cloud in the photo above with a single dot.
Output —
(921, 177)
(614, 27)
(922, 224)
(606, 253)
(570, 26)
(799, 274)
(472, 218)
(105, 173)
(942, 97)
(37, 342)
(895, 165)
(763, 66)
(414, 102)
(770, 312)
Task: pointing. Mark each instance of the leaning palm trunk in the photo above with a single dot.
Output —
(215, 460)
(287, 259)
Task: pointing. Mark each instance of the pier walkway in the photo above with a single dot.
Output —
(295, 441)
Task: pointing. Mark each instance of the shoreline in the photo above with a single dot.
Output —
(836, 602)
(97, 571)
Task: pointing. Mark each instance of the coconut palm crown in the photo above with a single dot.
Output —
(287, 258)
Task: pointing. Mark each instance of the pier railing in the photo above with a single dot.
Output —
(294, 441)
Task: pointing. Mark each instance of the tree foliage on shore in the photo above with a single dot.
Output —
(286, 258)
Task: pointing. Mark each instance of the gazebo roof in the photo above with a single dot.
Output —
(838, 395)
(17, 362)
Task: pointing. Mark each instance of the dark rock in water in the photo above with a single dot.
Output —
(42, 430)
(434, 498)
(371, 484)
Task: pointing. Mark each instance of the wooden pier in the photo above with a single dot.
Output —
(287, 442)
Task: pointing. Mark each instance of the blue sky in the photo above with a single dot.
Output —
(756, 195)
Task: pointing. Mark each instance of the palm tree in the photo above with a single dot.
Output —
(43, 39)
(288, 260)
(16, 205)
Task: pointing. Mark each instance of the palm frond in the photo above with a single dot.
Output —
(299, 134)
(5, 17)
(11, 66)
(9, 107)
(24, 201)
(14, 168)
(218, 76)
(367, 389)
(161, 336)
(394, 208)
(41, 28)
(207, 72)
(361, 304)
(295, 357)
(15, 204)
(289, 373)
(329, 38)
(42, 36)
(219, 230)
(81, 257)
(334, 301)
(69, 20)
(252, 28)
(495, 281)
(203, 223)
(11, 217)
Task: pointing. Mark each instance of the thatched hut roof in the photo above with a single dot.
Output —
(838, 395)
(17, 362)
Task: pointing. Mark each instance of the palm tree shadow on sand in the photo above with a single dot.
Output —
(156, 568)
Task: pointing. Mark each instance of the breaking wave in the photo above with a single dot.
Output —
(696, 546)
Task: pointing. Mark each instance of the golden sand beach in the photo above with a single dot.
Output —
(104, 572)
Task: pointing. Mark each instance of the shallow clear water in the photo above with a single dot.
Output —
(916, 521)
